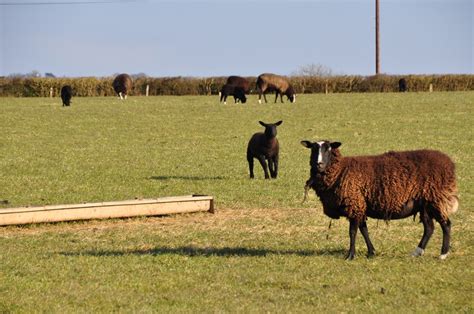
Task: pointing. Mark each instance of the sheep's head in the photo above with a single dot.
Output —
(290, 93)
(321, 154)
(241, 95)
(270, 128)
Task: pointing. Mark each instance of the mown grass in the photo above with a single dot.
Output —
(263, 250)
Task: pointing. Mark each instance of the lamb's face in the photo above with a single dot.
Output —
(270, 128)
(320, 154)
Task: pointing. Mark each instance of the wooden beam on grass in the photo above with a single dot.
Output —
(120, 209)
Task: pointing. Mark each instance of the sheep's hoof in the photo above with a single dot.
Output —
(371, 254)
(350, 256)
(418, 252)
(443, 256)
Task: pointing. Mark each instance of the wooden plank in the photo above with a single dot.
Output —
(120, 209)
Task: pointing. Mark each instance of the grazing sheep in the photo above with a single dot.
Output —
(402, 85)
(268, 82)
(66, 95)
(240, 82)
(236, 91)
(264, 146)
(393, 185)
(122, 85)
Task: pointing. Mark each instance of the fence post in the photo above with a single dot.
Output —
(147, 92)
(431, 87)
(326, 88)
(51, 92)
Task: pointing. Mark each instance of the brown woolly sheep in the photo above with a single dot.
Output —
(393, 185)
(122, 85)
(268, 82)
(66, 95)
(264, 146)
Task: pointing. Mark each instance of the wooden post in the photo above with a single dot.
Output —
(51, 92)
(326, 89)
(377, 37)
(147, 90)
(431, 87)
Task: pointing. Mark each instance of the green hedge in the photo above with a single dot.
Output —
(92, 86)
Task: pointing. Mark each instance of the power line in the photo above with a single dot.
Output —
(65, 2)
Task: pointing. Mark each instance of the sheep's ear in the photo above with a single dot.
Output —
(307, 144)
(278, 123)
(335, 145)
(262, 123)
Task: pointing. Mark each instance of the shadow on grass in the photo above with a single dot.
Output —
(191, 178)
(210, 251)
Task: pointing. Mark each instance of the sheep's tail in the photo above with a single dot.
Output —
(449, 203)
(453, 204)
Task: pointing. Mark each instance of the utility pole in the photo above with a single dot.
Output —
(377, 38)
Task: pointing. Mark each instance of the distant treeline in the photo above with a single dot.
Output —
(92, 86)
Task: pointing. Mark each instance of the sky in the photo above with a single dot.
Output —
(202, 38)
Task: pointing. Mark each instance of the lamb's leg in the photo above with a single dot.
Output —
(428, 228)
(261, 158)
(275, 162)
(271, 167)
(353, 224)
(365, 232)
(250, 160)
(446, 227)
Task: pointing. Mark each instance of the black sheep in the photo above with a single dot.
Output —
(402, 85)
(236, 91)
(122, 85)
(66, 95)
(240, 82)
(264, 146)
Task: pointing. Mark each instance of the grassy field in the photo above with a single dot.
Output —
(263, 251)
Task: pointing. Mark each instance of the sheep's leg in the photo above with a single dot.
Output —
(250, 160)
(275, 164)
(281, 97)
(428, 228)
(261, 158)
(353, 224)
(446, 227)
(365, 233)
(276, 96)
(265, 97)
(120, 94)
(271, 167)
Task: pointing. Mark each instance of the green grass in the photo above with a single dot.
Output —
(263, 250)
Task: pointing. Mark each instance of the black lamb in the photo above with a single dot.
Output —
(264, 146)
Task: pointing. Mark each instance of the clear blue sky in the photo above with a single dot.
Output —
(209, 38)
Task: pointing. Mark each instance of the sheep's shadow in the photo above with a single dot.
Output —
(191, 178)
(193, 251)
